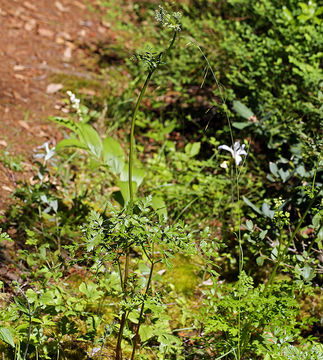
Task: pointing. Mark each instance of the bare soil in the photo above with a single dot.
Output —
(39, 38)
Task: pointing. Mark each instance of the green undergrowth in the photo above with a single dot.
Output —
(181, 215)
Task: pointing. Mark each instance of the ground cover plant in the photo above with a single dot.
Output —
(172, 233)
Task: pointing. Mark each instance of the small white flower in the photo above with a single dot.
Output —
(224, 165)
(75, 103)
(236, 152)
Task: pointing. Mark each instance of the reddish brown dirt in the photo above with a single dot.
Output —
(38, 38)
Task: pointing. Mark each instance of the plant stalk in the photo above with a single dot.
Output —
(131, 195)
(136, 337)
(132, 134)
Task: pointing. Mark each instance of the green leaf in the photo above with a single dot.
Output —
(66, 143)
(242, 110)
(249, 224)
(308, 273)
(241, 125)
(284, 174)
(266, 211)
(260, 260)
(287, 14)
(137, 174)
(192, 149)
(31, 295)
(145, 332)
(133, 317)
(47, 298)
(91, 138)
(263, 234)
(316, 221)
(124, 189)
(113, 155)
(89, 289)
(70, 124)
(253, 206)
(6, 336)
(273, 169)
(158, 204)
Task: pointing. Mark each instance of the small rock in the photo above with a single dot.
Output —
(53, 88)
(67, 54)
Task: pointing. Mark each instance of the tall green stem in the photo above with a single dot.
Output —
(162, 57)
(136, 337)
(132, 133)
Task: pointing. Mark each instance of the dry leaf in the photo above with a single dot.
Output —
(60, 7)
(208, 282)
(18, 96)
(45, 32)
(30, 6)
(19, 68)
(20, 77)
(59, 40)
(79, 5)
(101, 30)
(106, 24)
(30, 25)
(53, 88)
(82, 33)
(3, 143)
(6, 188)
(2, 12)
(41, 133)
(23, 124)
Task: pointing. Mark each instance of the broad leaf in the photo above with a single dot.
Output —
(285, 175)
(145, 332)
(70, 124)
(91, 138)
(6, 336)
(66, 143)
(113, 155)
(242, 110)
(124, 189)
(273, 169)
(241, 125)
(90, 290)
(192, 149)
(253, 206)
(158, 204)
(266, 211)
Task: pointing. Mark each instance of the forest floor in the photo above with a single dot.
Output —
(39, 39)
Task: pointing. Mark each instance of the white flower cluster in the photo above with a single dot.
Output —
(75, 103)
